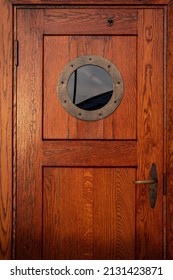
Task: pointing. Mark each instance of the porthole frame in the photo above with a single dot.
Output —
(105, 111)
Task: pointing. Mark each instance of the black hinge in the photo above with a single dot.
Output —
(16, 53)
(164, 184)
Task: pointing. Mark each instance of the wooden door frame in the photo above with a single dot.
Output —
(7, 110)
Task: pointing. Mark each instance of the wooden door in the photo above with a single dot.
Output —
(75, 193)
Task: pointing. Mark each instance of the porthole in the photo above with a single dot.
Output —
(90, 88)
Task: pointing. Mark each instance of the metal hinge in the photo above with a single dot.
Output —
(16, 53)
(164, 184)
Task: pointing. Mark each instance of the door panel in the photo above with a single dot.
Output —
(89, 213)
(58, 124)
(75, 193)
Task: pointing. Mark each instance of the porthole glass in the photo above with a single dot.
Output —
(90, 88)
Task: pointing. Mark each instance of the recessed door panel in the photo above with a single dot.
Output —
(89, 213)
(121, 51)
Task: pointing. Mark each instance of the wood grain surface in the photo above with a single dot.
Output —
(170, 136)
(89, 153)
(86, 21)
(29, 118)
(150, 131)
(31, 151)
(57, 123)
(62, 214)
(5, 129)
(114, 213)
(93, 2)
(75, 195)
(89, 213)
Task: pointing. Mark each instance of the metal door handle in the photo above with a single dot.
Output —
(146, 182)
(152, 185)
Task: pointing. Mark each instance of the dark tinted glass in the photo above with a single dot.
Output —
(90, 87)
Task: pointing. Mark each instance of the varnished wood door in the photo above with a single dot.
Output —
(75, 193)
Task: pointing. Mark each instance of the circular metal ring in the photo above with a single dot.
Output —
(110, 107)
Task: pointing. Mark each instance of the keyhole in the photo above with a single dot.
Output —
(110, 21)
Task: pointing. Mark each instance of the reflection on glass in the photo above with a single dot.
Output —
(90, 87)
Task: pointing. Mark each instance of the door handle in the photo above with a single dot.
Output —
(146, 182)
(152, 183)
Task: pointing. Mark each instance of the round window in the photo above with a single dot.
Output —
(90, 88)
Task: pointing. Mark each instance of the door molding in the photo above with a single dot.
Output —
(169, 133)
(7, 108)
(6, 89)
(91, 2)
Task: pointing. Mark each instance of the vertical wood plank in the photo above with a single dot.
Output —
(55, 118)
(114, 213)
(170, 134)
(51, 213)
(29, 135)
(71, 211)
(121, 50)
(104, 213)
(150, 131)
(90, 45)
(88, 189)
(108, 123)
(72, 54)
(5, 129)
(125, 213)
(124, 50)
(63, 213)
